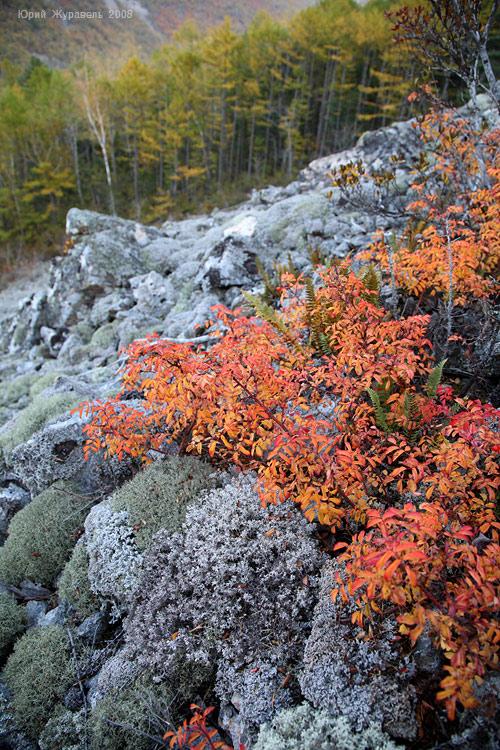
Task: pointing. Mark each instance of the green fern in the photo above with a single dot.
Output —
(434, 379)
(411, 410)
(268, 313)
(371, 278)
(317, 257)
(317, 320)
(380, 410)
(271, 291)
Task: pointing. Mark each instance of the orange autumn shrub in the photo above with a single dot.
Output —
(457, 250)
(339, 406)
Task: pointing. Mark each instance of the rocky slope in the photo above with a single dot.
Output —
(116, 630)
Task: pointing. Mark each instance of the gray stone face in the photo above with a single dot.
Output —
(56, 452)
(153, 278)
(12, 498)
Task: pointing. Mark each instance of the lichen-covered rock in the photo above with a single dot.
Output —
(12, 499)
(12, 622)
(236, 588)
(351, 676)
(56, 453)
(114, 559)
(42, 535)
(305, 728)
(158, 497)
(66, 730)
(35, 416)
(11, 736)
(250, 696)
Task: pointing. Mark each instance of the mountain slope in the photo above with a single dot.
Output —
(64, 31)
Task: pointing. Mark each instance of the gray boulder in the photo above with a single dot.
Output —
(56, 452)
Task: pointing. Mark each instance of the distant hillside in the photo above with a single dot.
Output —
(62, 31)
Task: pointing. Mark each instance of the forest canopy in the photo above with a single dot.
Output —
(199, 122)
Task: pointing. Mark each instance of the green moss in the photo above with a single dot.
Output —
(38, 673)
(137, 333)
(12, 391)
(184, 298)
(74, 584)
(42, 535)
(139, 707)
(85, 331)
(105, 335)
(42, 382)
(157, 497)
(36, 416)
(12, 622)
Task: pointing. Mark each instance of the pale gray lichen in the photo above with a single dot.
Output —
(348, 674)
(306, 728)
(65, 730)
(236, 588)
(114, 558)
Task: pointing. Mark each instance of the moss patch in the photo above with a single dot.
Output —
(157, 497)
(74, 584)
(42, 382)
(15, 389)
(38, 673)
(12, 622)
(139, 709)
(42, 536)
(36, 416)
(105, 336)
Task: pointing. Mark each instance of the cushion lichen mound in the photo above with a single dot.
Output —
(305, 728)
(158, 497)
(42, 536)
(74, 585)
(39, 672)
(235, 588)
(35, 416)
(65, 730)
(12, 622)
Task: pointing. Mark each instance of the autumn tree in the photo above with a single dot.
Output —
(451, 37)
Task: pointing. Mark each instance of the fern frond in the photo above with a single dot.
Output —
(291, 266)
(324, 344)
(310, 296)
(317, 257)
(434, 379)
(270, 286)
(380, 414)
(268, 313)
(410, 405)
(371, 278)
